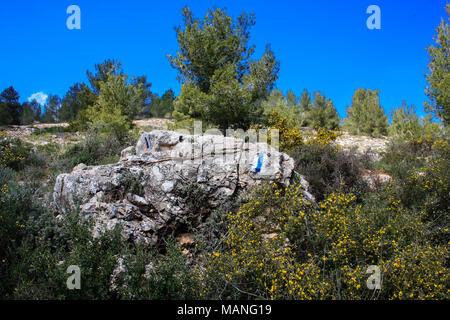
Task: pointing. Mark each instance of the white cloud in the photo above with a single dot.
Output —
(40, 97)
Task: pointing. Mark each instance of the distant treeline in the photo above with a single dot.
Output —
(79, 97)
(225, 87)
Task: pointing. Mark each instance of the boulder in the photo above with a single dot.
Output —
(142, 191)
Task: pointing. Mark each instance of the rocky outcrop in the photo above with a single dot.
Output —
(142, 191)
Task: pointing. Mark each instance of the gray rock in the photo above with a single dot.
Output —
(142, 191)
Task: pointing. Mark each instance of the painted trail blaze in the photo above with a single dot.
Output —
(260, 162)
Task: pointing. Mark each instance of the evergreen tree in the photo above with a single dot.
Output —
(10, 106)
(117, 104)
(73, 102)
(146, 96)
(27, 115)
(438, 76)
(102, 72)
(221, 85)
(287, 106)
(132, 96)
(305, 105)
(164, 106)
(305, 100)
(5, 115)
(37, 110)
(366, 116)
(406, 125)
(51, 109)
(322, 113)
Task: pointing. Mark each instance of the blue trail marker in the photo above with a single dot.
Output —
(260, 162)
(147, 143)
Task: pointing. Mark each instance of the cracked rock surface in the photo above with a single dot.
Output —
(142, 191)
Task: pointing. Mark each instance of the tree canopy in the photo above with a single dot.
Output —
(366, 116)
(221, 83)
(438, 75)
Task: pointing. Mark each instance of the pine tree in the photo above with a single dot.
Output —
(73, 102)
(406, 125)
(10, 106)
(220, 83)
(366, 116)
(164, 106)
(51, 109)
(322, 113)
(438, 76)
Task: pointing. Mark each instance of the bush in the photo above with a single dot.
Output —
(152, 276)
(366, 116)
(16, 207)
(13, 152)
(195, 197)
(328, 169)
(36, 249)
(279, 246)
(97, 149)
(406, 125)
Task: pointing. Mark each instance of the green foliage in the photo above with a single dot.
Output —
(328, 169)
(196, 197)
(279, 246)
(164, 106)
(78, 98)
(36, 249)
(9, 107)
(220, 83)
(102, 72)
(406, 125)
(116, 106)
(16, 206)
(366, 116)
(112, 102)
(422, 179)
(51, 109)
(14, 153)
(95, 149)
(151, 276)
(287, 106)
(322, 113)
(206, 46)
(31, 111)
(438, 75)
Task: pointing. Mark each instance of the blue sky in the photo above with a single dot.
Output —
(321, 45)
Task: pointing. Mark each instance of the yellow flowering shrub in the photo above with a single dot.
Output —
(280, 246)
(257, 260)
(323, 137)
(290, 136)
(12, 152)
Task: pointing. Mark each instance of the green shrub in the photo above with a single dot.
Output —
(51, 130)
(406, 125)
(328, 169)
(195, 197)
(152, 276)
(278, 246)
(14, 152)
(96, 149)
(366, 116)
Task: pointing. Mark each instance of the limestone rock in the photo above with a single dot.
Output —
(142, 191)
